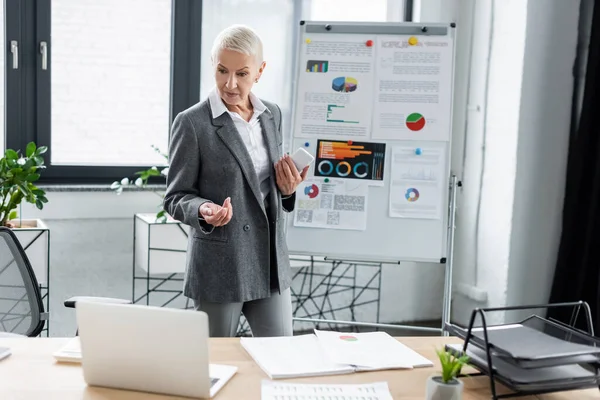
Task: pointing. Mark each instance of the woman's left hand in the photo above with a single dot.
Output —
(287, 176)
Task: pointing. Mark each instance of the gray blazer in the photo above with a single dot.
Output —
(209, 162)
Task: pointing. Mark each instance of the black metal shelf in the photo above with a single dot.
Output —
(536, 355)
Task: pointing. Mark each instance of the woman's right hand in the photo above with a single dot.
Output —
(216, 215)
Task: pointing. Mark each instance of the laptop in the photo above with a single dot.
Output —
(145, 348)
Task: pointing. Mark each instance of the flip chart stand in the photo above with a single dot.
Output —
(530, 365)
(447, 296)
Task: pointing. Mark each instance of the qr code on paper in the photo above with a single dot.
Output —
(333, 218)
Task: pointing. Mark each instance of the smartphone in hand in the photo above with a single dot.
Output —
(302, 158)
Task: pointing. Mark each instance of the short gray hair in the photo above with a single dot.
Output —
(240, 38)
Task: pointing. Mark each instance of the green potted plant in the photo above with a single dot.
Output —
(18, 174)
(142, 182)
(447, 386)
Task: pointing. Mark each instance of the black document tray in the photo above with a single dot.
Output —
(535, 343)
(533, 356)
(561, 377)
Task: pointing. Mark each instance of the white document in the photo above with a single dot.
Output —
(306, 391)
(414, 84)
(70, 352)
(417, 182)
(4, 352)
(292, 356)
(332, 204)
(335, 86)
(369, 350)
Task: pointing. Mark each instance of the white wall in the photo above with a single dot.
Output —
(542, 149)
(511, 258)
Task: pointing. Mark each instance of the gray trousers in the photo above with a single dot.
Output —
(271, 316)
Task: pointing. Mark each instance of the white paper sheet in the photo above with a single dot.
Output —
(292, 356)
(417, 179)
(413, 83)
(335, 86)
(332, 204)
(369, 350)
(295, 391)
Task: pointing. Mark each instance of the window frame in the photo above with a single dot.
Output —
(29, 110)
(12, 77)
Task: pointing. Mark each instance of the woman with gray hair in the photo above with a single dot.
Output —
(230, 182)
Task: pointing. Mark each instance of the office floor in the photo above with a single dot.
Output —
(81, 265)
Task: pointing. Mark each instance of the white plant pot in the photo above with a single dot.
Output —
(436, 389)
(34, 236)
(160, 248)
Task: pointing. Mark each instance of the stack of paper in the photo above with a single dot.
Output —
(290, 391)
(330, 353)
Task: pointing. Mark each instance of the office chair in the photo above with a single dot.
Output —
(21, 308)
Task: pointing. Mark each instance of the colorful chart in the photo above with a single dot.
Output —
(350, 160)
(311, 191)
(411, 194)
(349, 338)
(344, 84)
(415, 122)
(317, 66)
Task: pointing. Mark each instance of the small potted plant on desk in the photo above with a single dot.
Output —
(446, 386)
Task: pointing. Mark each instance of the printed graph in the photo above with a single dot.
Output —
(337, 113)
(311, 191)
(418, 174)
(350, 160)
(344, 84)
(341, 150)
(317, 66)
(411, 195)
(415, 122)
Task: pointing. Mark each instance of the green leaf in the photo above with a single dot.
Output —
(451, 365)
(30, 150)
(38, 160)
(13, 214)
(41, 150)
(161, 217)
(33, 177)
(11, 154)
(39, 204)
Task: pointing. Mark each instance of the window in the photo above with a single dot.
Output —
(349, 10)
(110, 81)
(99, 82)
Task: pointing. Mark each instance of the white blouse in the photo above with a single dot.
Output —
(251, 133)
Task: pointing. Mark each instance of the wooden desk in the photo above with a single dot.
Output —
(32, 373)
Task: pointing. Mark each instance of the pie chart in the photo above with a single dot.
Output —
(311, 191)
(411, 194)
(344, 84)
(415, 122)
